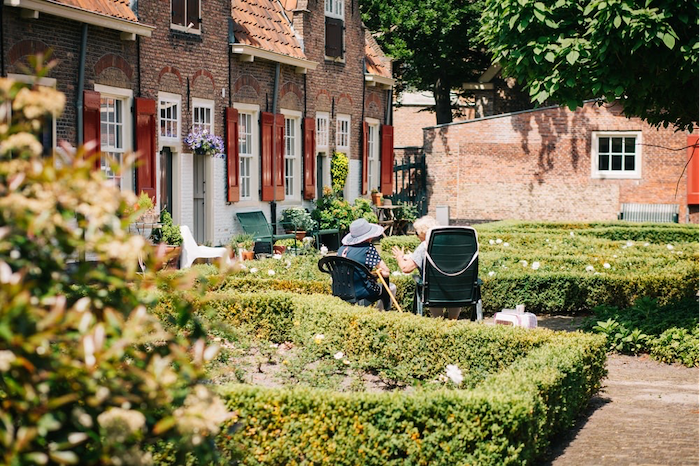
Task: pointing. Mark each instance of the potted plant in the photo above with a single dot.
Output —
(280, 246)
(243, 244)
(169, 235)
(376, 197)
(202, 142)
(298, 220)
(146, 210)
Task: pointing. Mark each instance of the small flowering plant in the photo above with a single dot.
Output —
(204, 143)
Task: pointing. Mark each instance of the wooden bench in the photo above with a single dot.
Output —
(656, 213)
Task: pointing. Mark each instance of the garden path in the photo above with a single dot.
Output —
(646, 414)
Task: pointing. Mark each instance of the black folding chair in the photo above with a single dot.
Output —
(450, 272)
(344, 272)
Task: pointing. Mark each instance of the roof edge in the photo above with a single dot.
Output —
(83, 16)
(257, 52)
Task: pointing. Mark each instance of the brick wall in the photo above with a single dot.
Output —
(536, 165)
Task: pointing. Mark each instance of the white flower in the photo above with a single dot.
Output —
(669, 246)
(454, 373)
(499, 241)
(629, 244)
(6, 358)
(287, 263)
(324, 250)
(535, 265)
(396, 273)
(270, 272)
(571, 233)
(277, 256)
(646, 244)
(606, 265)
(243, 267)
(523, 263)
(492, 241)
(339, 355)
(253, 270)
(505, 245)
(624, 247)
(589, 268)
(547, 240)
(615, 256)
(319, 337)
(492, 273)
(274, 345)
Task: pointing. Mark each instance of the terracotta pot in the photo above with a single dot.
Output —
(279, 249)
(247, 255)
(172, 257)
(377, 198)
(301, 234)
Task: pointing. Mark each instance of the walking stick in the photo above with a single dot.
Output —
(386, 287)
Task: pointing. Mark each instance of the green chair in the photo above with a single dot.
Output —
(450, 272)
(254, 223)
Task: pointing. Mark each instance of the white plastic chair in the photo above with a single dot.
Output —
(191, 250)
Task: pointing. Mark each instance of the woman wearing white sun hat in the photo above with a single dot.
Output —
(357, 245)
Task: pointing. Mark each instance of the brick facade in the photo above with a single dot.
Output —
(536, 165)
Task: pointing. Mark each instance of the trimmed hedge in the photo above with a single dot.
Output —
(527, 385)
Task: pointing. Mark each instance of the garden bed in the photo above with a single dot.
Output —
(519, 388)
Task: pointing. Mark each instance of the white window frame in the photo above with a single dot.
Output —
(342, 134)
(204, 104)
(172, 140)
(252, 157)
(373, 153)
(126, 97)
(46, 82)
(335, 9)
(185, 28)
(323, 125)
(616, 174)
(292, 154)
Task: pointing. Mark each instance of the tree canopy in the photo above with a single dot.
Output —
(433, 43)
(642, 53)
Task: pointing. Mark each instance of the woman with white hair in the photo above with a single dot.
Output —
(410, 262)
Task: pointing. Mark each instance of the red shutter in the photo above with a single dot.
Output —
(232, 161)
(365, 156)
(91, 124)
(279, 147)
(193, 13)
(145, 113)
(387, 176)
(693, 168)
(178, 12)
(309, 158)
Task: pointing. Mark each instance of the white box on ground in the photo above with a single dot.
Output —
(515, 318)
(442, 215)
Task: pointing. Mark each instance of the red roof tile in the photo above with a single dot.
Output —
(376, 62)
(263, 24)
(114, 8)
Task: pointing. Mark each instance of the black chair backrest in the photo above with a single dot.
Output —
(344, 272)
(451, 269)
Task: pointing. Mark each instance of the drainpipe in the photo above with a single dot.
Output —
(81, 85)
(2, 42)
(273, 203)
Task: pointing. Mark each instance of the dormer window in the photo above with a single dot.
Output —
(185, 16)
(335, 28)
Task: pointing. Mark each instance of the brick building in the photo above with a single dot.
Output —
(285, 83)
(555, 164)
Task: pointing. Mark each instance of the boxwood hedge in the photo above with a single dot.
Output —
(524, 386)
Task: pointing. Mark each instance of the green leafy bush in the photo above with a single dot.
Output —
(340, 167)
(298, 218)
(169, 233)
(87, 376)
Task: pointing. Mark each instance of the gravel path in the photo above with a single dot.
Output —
(646, 414)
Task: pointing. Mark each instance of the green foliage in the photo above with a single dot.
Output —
(169, 233)
(144, 202)
(668, 333)
(520, 388)
(434, 45)
(87, 376)
(406, 212)
(245, 241)
(340, 166)
(362, 208)
(298, 218)
(332, 211)
(570, 51)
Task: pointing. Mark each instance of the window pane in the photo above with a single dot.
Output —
(603, 162)
(604, 145)
(617, 145)
(629, 162)
(616, 162)
(629, 145)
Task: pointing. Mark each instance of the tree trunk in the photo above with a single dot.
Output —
(443, 106)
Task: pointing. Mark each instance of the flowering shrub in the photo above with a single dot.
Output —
(204, 143)
(87, 376)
